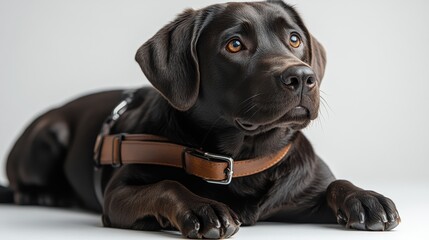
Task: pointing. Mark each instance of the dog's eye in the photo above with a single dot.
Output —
(294, 40)
(234, 46)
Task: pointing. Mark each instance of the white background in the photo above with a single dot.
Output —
(373, 129)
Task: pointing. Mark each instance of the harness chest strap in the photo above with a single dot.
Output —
(150, 149)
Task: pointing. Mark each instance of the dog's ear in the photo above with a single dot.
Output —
(170, 62)
(318, 58)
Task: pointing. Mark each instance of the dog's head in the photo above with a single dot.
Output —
(255, 66)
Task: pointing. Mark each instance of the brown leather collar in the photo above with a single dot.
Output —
(122, 149)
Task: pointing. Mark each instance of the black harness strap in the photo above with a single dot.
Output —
(128, 97)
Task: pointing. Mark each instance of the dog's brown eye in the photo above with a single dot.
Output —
(294, 40)
(234, 46)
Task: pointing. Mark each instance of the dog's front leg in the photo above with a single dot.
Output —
(167, 204)
(361, 209)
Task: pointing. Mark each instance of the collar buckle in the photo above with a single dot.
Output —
(229, 170)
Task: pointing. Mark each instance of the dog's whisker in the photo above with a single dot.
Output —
(250, 98)
(319, 120)
(325, 106)
(321, 96)
(252, 107)
(246, 107)
(257, 110)
(248, 104)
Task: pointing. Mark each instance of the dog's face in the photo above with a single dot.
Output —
(254, 66)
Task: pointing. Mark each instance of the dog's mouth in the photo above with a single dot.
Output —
(298, 117)
(246, 126)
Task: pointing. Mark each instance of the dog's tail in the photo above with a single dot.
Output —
(6, 195)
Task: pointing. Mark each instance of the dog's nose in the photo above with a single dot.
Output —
(294, 77)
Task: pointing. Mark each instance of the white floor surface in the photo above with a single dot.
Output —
(19, 222)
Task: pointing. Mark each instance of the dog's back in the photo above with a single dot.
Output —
(41, 163)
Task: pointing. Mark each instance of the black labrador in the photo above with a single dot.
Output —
(237, 79)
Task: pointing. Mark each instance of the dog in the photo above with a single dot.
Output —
(237, 79)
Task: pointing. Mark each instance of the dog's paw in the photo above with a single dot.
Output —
(368, 210)
(208, 220)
